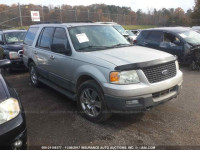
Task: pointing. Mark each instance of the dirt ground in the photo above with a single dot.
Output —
(52, 119)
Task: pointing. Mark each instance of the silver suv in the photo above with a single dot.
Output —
(96, 66)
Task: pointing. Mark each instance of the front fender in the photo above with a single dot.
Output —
(99, 74)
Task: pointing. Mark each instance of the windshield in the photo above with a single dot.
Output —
(191, 37)
(14, 37)
(120, 29)
(130, 33)
(96, 38)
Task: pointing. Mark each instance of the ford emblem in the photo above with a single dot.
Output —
(165, 72)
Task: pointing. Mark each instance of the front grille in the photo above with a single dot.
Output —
(160, 73)
(20, 53)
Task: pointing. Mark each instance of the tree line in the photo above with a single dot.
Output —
(10, 15)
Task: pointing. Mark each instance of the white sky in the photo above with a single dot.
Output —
(134, 4)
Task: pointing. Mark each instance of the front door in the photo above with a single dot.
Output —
(172, 44)
(61, 66)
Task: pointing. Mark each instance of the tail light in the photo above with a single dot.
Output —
(135, 41)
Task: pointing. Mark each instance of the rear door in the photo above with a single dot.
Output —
(154, 39)
(42, 52)
(141, 39)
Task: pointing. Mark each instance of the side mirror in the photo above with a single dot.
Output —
(59, 48)
(177, 43)
(4, 63)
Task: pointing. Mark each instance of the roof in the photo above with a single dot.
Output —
(172, 29)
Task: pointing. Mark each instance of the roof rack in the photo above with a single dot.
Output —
(48, 22)
(87, 21)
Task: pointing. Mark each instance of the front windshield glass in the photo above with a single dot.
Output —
(14, 37)
(98, 37)
(191, 37)
(120, 29)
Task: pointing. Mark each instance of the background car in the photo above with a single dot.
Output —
(119, 28)
(13, 132)
(196, 28)
(11, 47)
(179, 41)
(136, 32)
(131, 35)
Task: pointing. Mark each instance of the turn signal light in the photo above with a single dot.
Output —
(114, 76)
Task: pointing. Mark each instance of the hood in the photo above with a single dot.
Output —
(128, 55)
(14, 47)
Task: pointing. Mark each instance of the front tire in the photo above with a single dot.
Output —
(33, 75)
(90, 101)
(8, 70)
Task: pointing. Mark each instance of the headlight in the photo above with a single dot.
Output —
(177, 65)
(13, 55)
(124, 77)
(9, 109)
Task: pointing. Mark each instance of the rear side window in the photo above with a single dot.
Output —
(156, 36)
(30, 36)
(143, 34)
(45, 38)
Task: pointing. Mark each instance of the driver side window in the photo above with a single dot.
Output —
(172, 39)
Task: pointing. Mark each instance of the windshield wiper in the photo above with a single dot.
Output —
(120, 45)
(93, 47)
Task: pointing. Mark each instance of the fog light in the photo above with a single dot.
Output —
(132, 102)
(18, 143)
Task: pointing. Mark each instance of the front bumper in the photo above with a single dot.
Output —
(17, 64)
(144, 96)
(145, 102)
(12, 131)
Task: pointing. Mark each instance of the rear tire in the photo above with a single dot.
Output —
(34, 75)
(8, 70)
(91, 103)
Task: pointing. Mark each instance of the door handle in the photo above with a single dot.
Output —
(52, 57)
(145, 43)
(35, 52)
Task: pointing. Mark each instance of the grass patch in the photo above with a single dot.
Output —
(20, 28)
(133, 27)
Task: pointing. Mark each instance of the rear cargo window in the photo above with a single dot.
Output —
(30, 36)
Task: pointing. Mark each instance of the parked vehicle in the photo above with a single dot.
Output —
(131, 35)
(119, 28)
(11, 42)
(179, 41)
(96, 66)
(136, 32)
(196, 28)
(13, 134)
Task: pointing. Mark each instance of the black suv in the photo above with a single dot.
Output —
(11, 44)
(179, 41)
(13, 133)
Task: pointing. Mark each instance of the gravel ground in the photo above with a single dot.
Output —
(52, 119)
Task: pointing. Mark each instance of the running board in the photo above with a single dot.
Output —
(58, 88)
